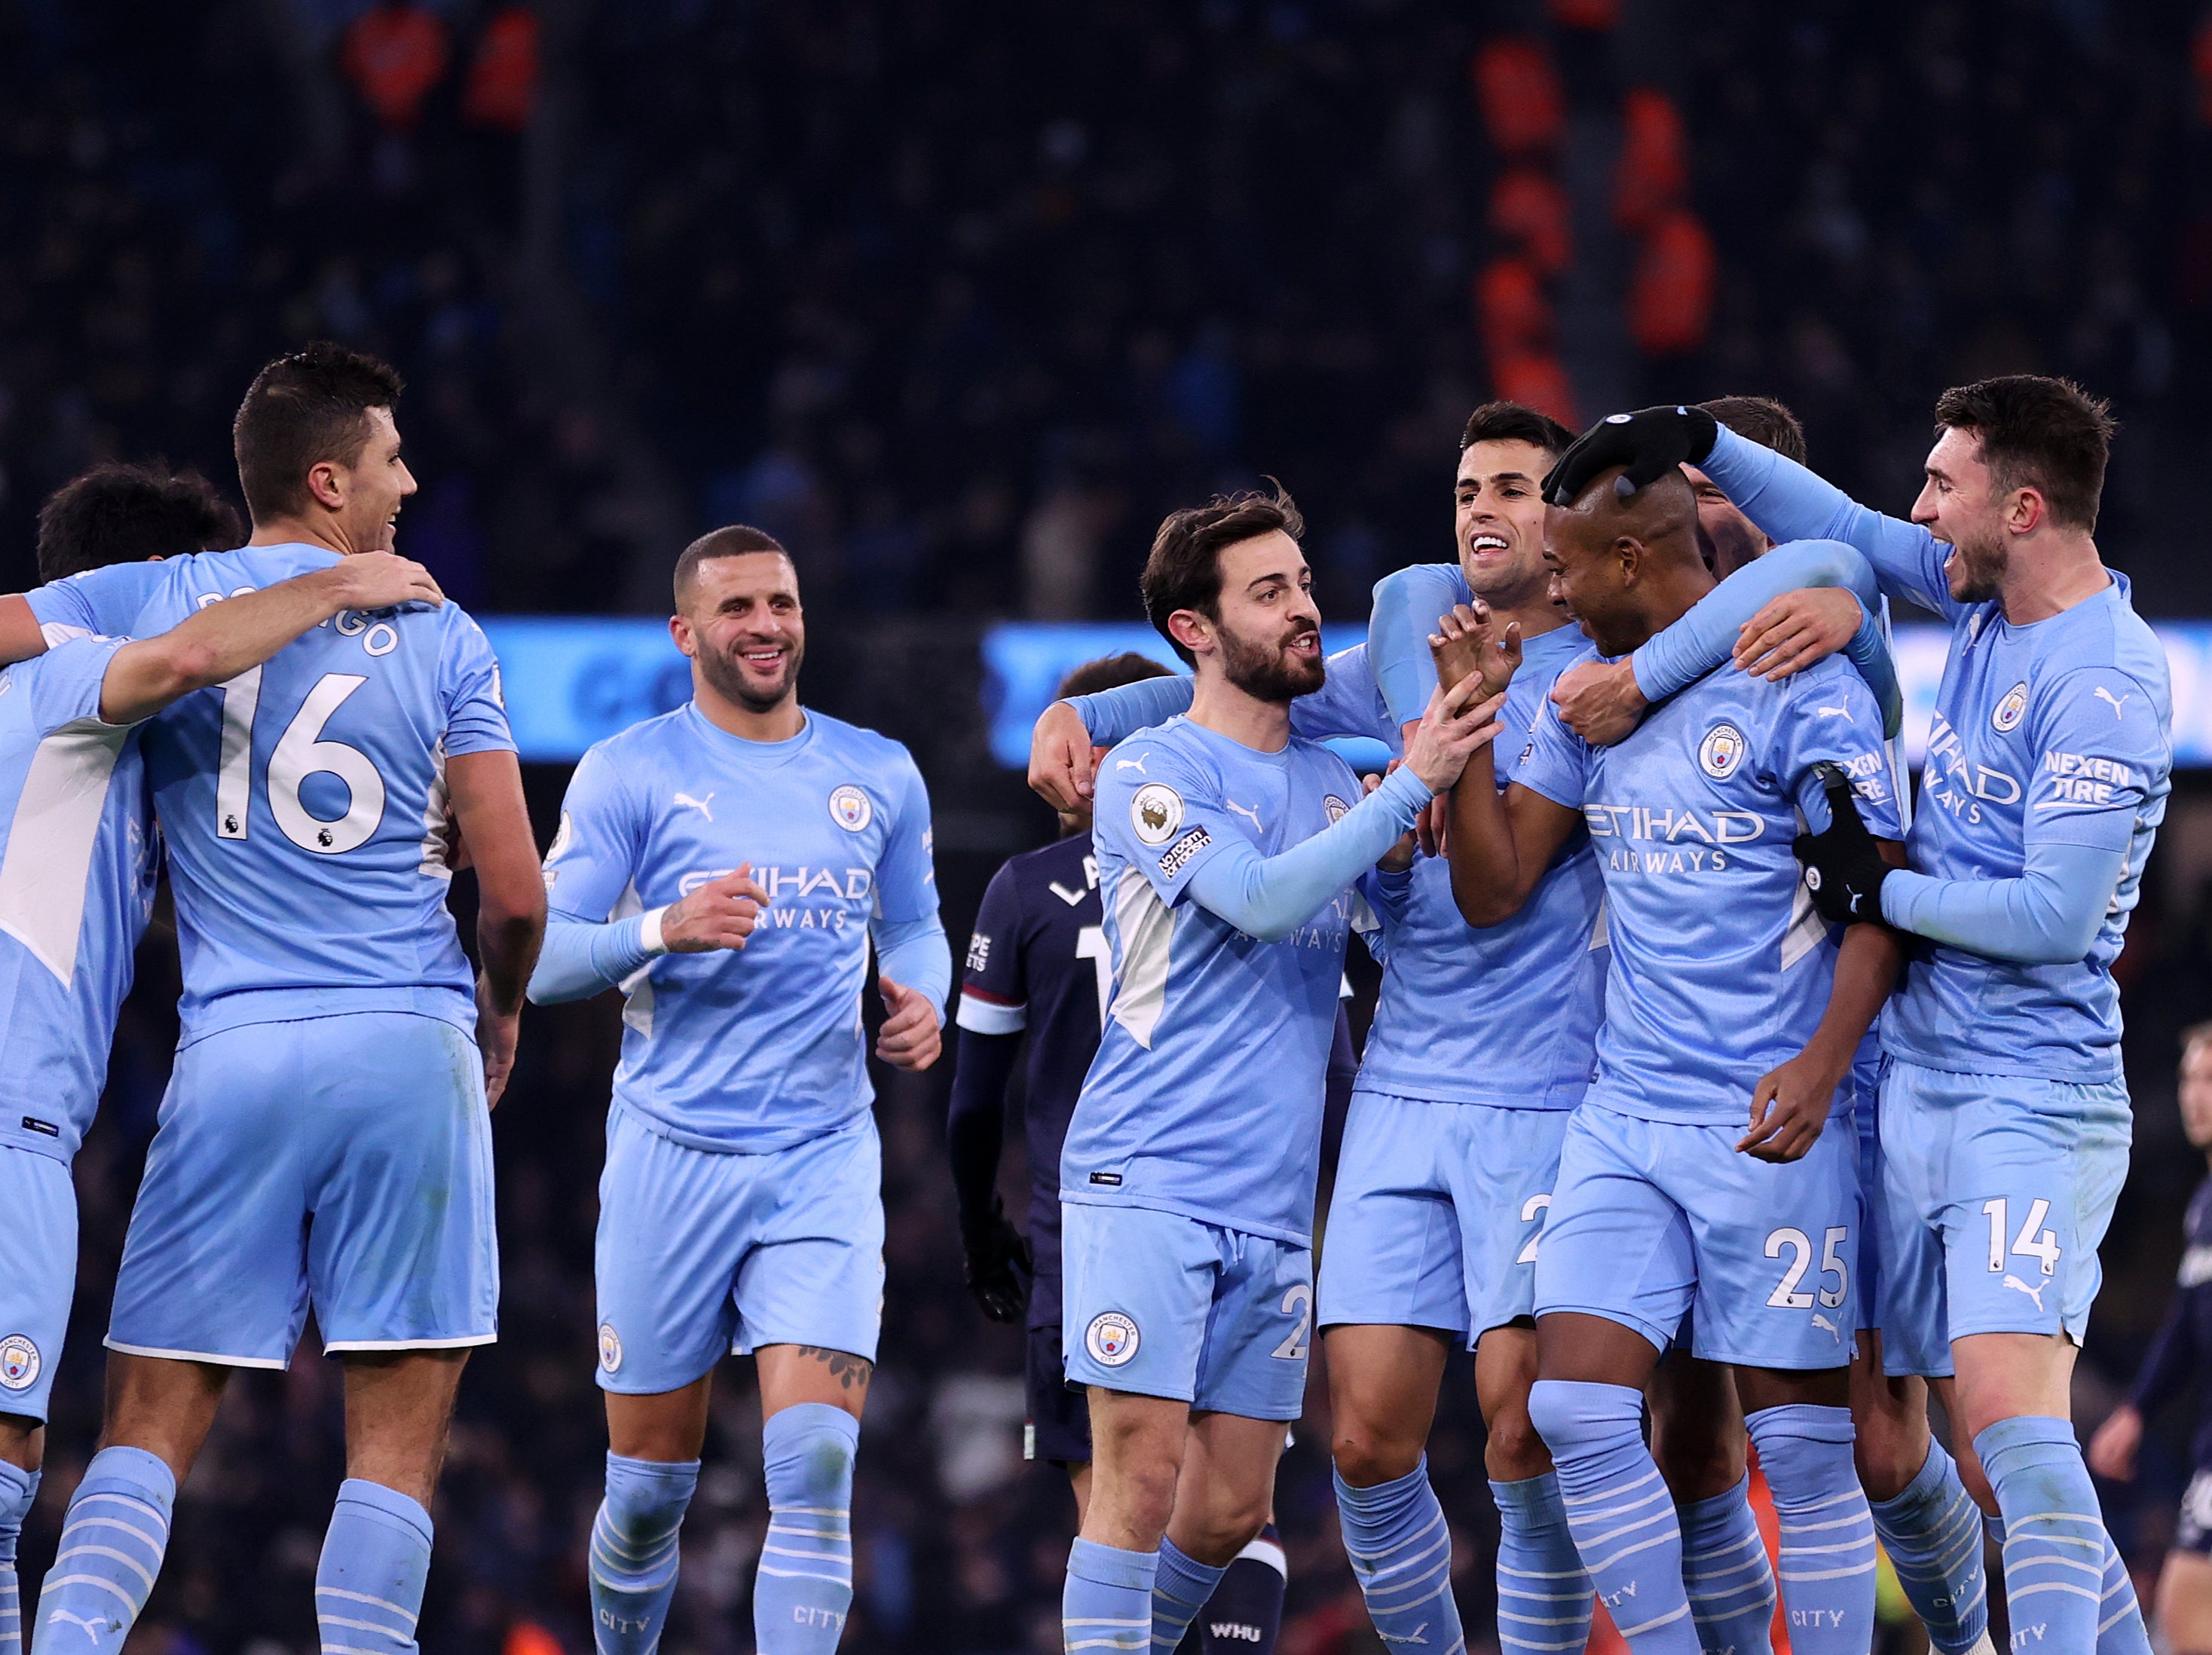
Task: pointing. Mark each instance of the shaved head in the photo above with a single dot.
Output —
(1620, 558)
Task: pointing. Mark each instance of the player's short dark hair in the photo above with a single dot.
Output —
(1110, 672)
(1516, 422)
(1762, 420)
(301, 411)
(1184, 569)
(119, 513)
(2038, 433)
(734, 541)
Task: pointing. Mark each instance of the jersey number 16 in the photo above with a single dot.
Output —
(299, 752)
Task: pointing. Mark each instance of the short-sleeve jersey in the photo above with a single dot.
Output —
(77, 862)
(1506, 1016)
(1037, 961)
(2059, 732)
(304, 803)
(1721, 966)
(1205, 1097)
(760, 1048)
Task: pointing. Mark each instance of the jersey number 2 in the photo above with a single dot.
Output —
(300, 753)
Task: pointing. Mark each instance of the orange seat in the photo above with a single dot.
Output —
(394, 55)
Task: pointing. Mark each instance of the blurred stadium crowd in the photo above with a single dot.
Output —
(955, 299)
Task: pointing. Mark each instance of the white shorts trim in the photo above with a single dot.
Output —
(465, 1339)
(277, 1363)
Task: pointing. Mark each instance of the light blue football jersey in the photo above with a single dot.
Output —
(304, 803)
(1507, 1015)
(2057, 733)
(76, 882)
(759, 1048)
(1206, 1097)
(1721, 966)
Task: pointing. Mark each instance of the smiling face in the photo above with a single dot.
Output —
(743, 627)
(370, 491)
(1498, 520)
(1735, 541)
(1267, 640)
(1961, 506)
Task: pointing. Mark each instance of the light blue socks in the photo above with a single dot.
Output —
(1180, 1586)
(1827, 1564)
(1107, 1603)
(2055, 1544)
(1400, 1547)
(18, 1490)
(804, 1585)
(1933, 1533)
(113, 1542)
(368, 1585)
(1544, 1594)
(1725, 1571)
(633, 1551)
(1618, 1509)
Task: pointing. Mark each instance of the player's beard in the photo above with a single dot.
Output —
(1269, 672)
(1981, 568)
(726, 673)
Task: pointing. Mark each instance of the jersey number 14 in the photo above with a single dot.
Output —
(299, 752)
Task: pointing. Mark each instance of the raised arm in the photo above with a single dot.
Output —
(1407, 603)
(225, 639)
(486, 791)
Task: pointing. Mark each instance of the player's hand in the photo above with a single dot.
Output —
(2113, 1450)
(382, 580)
(1795, 630)
(1469, 641)
(1455, 727)
(1651, 442)
(910, 1039)
(1600, 701)
(1063, 764)
(1844, 866)
(719, 914)
(497, 1033)
(1788, 1107)
(1400, 857)
(998, 1264)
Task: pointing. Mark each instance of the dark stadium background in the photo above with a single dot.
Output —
(957, 296)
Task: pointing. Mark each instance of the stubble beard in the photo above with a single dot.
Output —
(1264, 672)
(728, 674)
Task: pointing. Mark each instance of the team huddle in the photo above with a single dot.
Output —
(1710, 1079)
(1708, 1076)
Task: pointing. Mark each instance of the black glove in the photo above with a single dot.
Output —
(1844, 867)
(998, 1265)
(1651, 442)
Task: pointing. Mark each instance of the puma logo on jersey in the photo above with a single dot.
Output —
(1136, 764)
(704, 806)
(1843, 713)
(1252, 816)
(2019, 1286)
(2105, 695)
(1821, 1321)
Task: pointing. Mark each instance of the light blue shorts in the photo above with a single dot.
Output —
(1437, 1213)
(1652, 1221)
(1163, 1305)
(701, 1252)
(38, 1274)
(342, 1162)
(1997, 1191)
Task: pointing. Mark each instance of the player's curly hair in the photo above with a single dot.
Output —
(1184, 569)
(301, 411)
(119, 513)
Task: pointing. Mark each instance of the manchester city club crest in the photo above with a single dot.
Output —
(609, 1348)
(1111, 1338)
(851, 808)
(1155, 812)
(2006, 715)
(1721, 752)
(1335, 806)
(20, 1362)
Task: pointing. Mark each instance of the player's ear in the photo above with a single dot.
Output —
(1191, 630)
(679, 629)
(325, 485)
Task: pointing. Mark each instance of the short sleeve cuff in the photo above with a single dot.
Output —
(981, 1016)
